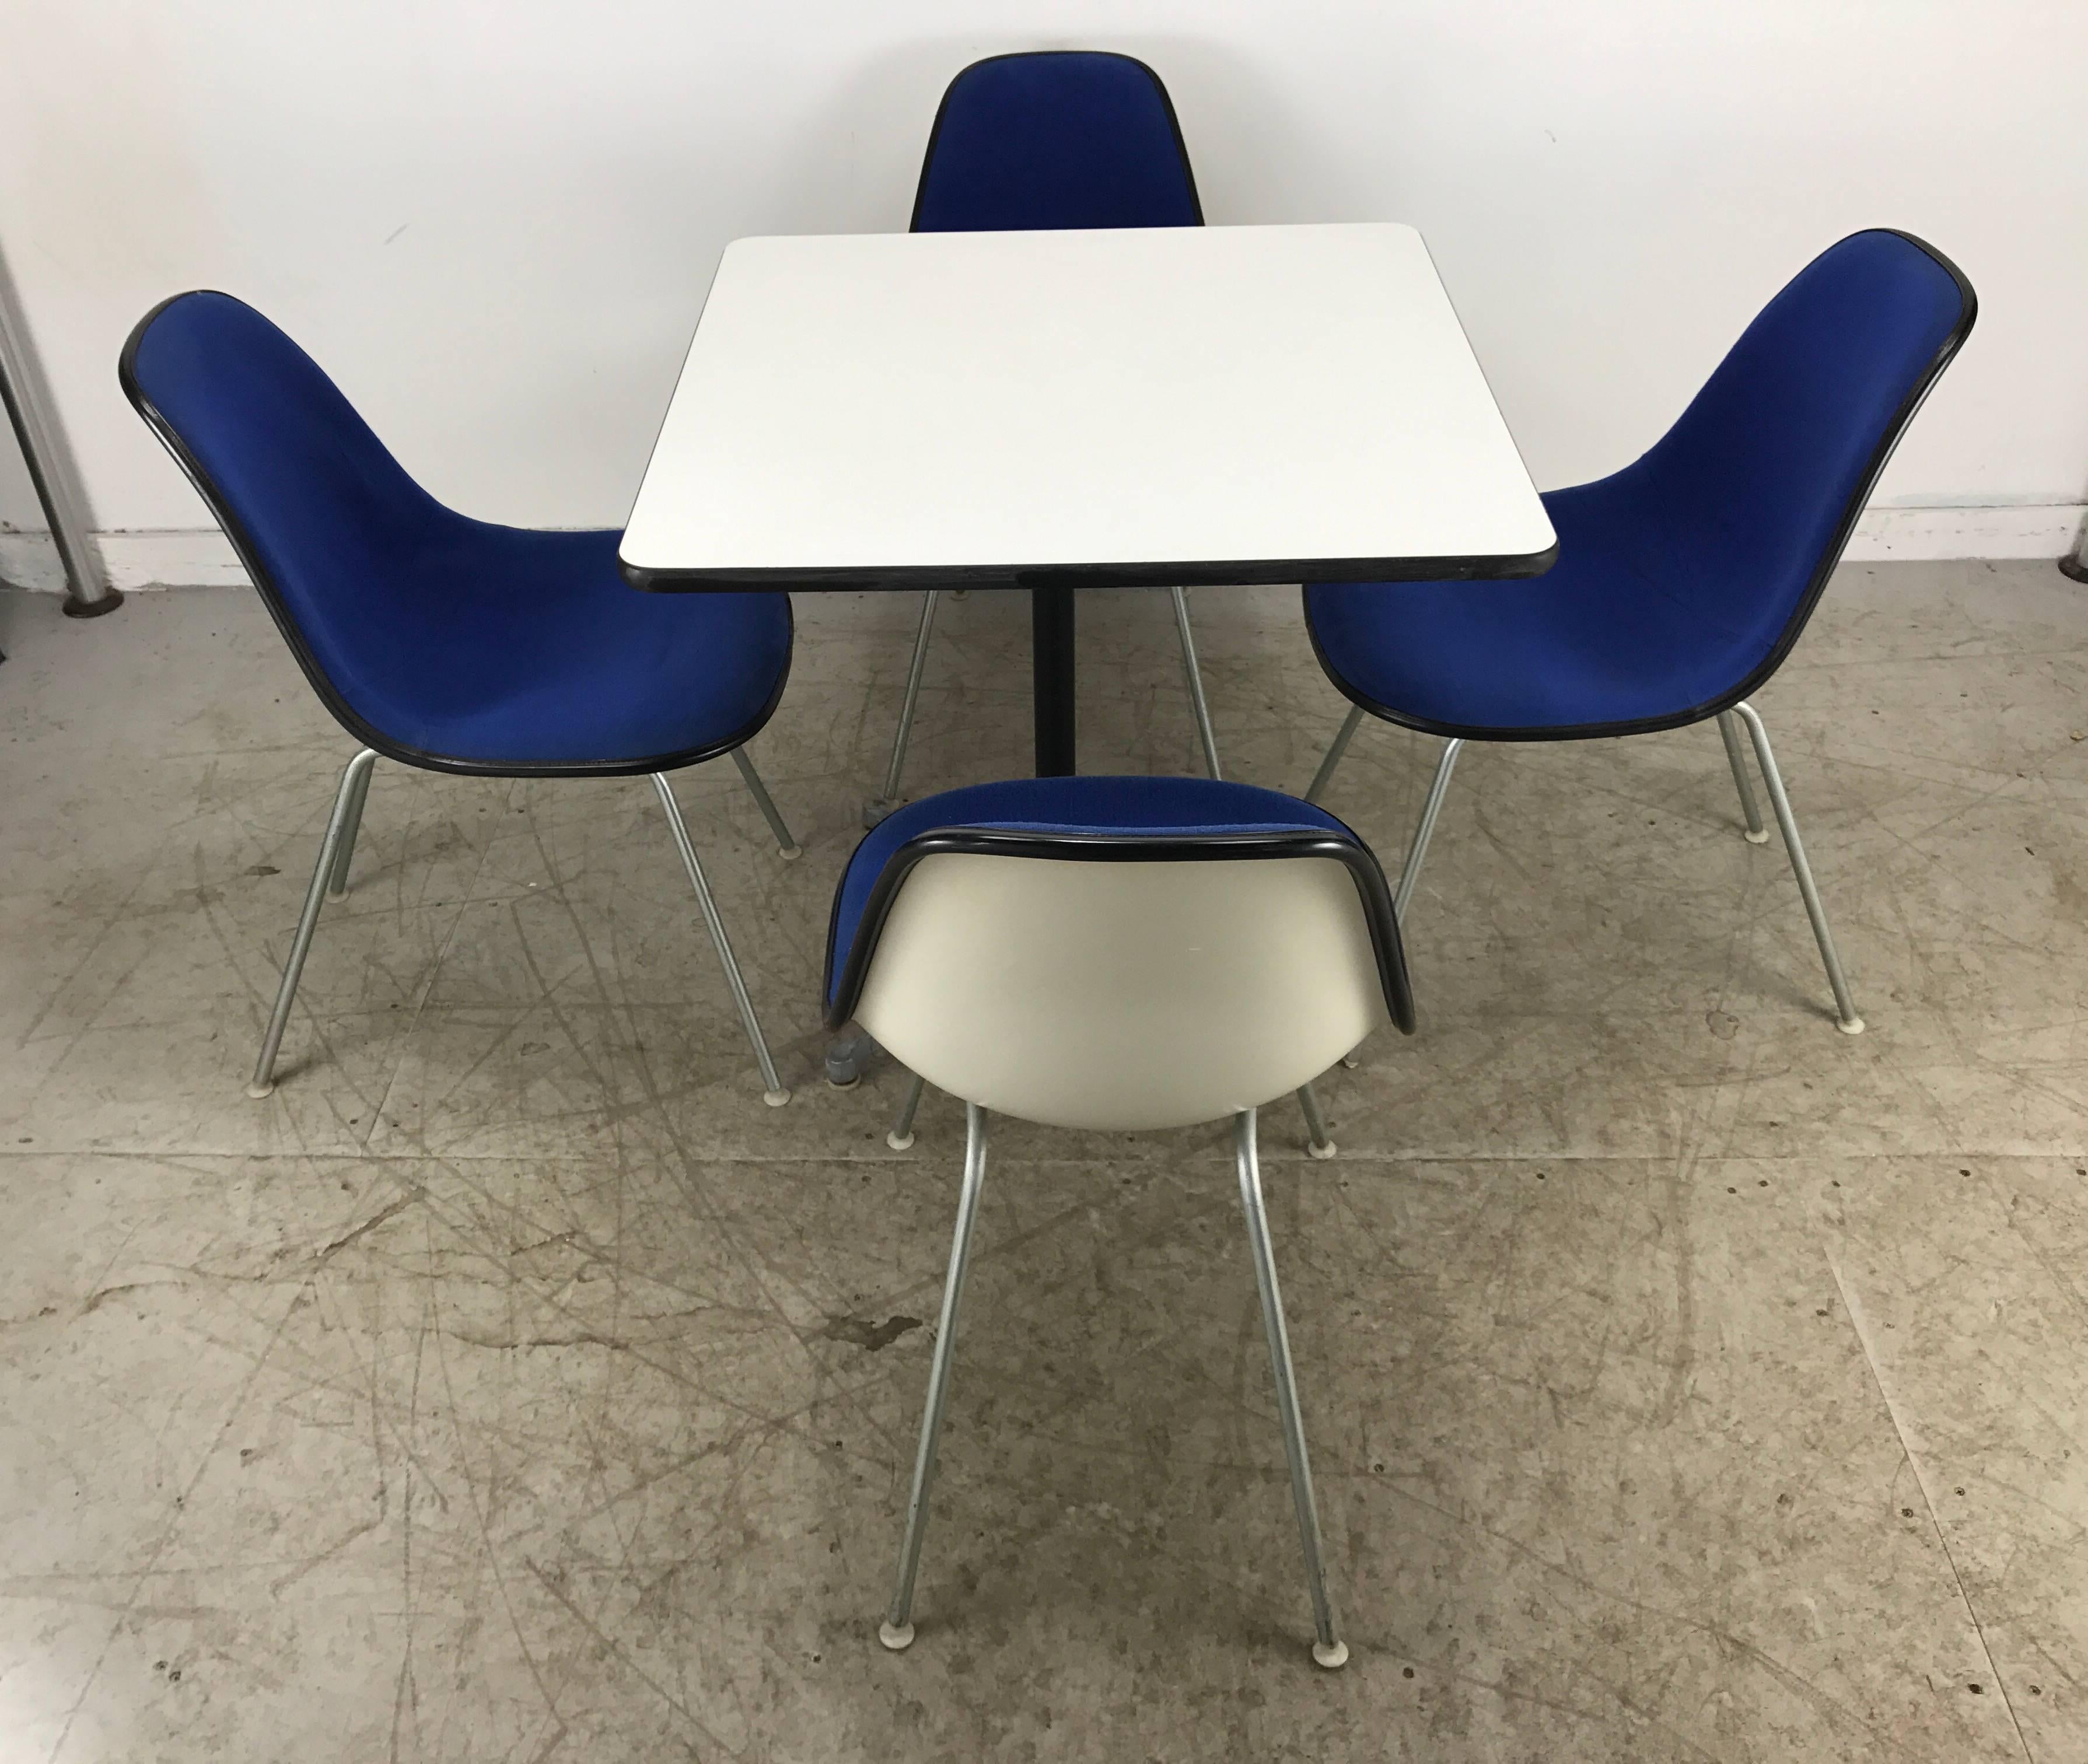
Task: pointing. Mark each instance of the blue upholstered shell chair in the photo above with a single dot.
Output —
(1116, 953)
(1059, 139)
(439, 641)
(1684, 580)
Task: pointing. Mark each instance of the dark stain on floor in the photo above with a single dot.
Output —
(862, 1333)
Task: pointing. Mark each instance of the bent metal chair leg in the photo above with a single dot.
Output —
(785, 844)
(1316, 1124)
(1327, 1647)
(1343, 736)
(776, 1096)
(888, 799)
(351, 824)
(896, 1631)
(1729, 732)
(1409, 877)
(1197, 702)
(900, 1138)
(1846, 1018)
(347, 806)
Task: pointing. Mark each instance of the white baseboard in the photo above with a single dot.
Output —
(205, 559)
(176, 559)
(2037, 530)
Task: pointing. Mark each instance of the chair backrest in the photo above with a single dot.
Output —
(344, 546)
(1759, 484)
(1060, 139)
(1085, 978)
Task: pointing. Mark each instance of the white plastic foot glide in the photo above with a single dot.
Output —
(790, 851)
(1350, 1061)
(898, 1144)
(1756, 839)
(899, 1640)
(257, 1092)
(775, 1099)
(1333, 1658)
(1325, 1149)
(1851, 1026)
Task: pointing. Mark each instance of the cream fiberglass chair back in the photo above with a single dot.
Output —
(1116, 953)
(1121, 984)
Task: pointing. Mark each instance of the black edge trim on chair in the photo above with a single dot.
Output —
(1166, 100)
(250, 558)
(1129, 848)
(1205, 574)
(1830, 560)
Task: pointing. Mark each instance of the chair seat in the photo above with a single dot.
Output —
(535, 655)
(1628, 631)
(438, 639)
(1086, 805)
(1684, 580)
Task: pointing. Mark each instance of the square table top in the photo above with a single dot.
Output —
(1155, 405)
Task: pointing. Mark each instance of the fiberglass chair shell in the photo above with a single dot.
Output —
(437, 640)
(1063, 139)
(1118, 954)
(1684, 580)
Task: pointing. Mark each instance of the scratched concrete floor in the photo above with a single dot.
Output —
(1686, 1380)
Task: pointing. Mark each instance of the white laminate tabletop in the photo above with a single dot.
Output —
(1170, 405)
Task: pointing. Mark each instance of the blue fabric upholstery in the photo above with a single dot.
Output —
(1181, 807)
(1062, 140)
(1682, 580)
(433, 636)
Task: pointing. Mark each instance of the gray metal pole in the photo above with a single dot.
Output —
(2075, 562)
(51, 469)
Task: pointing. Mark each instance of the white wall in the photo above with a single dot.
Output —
(494, 219)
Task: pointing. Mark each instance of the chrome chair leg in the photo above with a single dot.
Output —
(351, 824)
(776, 1096)
(1844, 1007)
(347, 801)
(901, 1136)
(1729, 732)
(1409, 877)
(896, 1631)
(1327, 1647)
(788, 846)
(886, 800)
(1316, 1125)
(1341, 740)
(1197, 698)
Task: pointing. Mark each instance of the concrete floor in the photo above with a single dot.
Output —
(1685, 1380)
